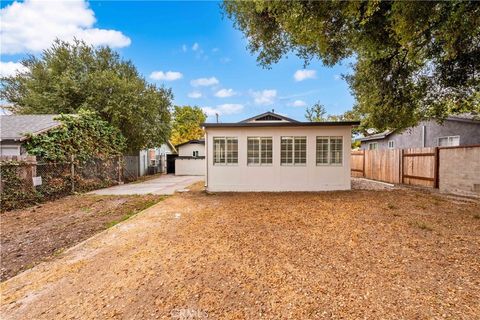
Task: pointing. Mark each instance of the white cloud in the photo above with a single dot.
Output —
(298, 103)
(166, 76)
(264, 97)
(225, 93)
(227, 108)
(337, 77)
(204, 82)
(215, 50)
(195, 94)
(304, 74)
(33, 25)
(195, 46)
(11, 68)
(225, 60)
(184, 48)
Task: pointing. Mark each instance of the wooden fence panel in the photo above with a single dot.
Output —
(383, 165)
(357, 163)
(419, 166)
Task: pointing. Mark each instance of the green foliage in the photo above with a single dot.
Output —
(413, 60)
(85, 136)
(316, 113)
(73, 76)
(186, 124)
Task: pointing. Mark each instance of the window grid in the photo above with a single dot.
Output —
(225, 150)
(293, 151)
(259, 150)
(329, 150)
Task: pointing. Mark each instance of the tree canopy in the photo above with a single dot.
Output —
(83, 135)
(413, 60)
(68, 77)
(186, 122)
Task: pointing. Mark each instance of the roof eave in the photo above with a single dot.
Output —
(282, 124)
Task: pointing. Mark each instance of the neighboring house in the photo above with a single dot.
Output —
(271, 152)
(191, 158)
(460, 130)
(155, 158)
(14, 130)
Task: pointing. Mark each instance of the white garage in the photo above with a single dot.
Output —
(191, 158)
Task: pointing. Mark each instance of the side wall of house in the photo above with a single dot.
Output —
(187, 149)
(469, 133)
(275, 177)
(190, 166)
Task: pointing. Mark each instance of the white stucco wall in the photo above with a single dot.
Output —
(275, 177)
(187, 149)
(190, 167)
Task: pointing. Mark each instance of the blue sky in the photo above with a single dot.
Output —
(187, 46)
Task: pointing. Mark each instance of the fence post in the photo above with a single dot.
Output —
(363, 163)
(119, 169)
(436, 168)
(401, 166)
(72, 172)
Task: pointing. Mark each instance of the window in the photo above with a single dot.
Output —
(373, 146)
(329, 150)
(391, 144)
(293, 151)
(259, 150)
(225, 150)
(195, 154)
(450, 141)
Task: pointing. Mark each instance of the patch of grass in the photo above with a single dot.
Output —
(391, 206)
(58, 252)
(421, 225)
(141, 206)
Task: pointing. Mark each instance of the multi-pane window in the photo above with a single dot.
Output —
(225, 150)
(391, 144)
(293, 150)
(259, 150)
(449, 141)
(329, 150)
(373, 146)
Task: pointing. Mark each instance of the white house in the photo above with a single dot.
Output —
(155, 157)
(191, 158)
(270, 152)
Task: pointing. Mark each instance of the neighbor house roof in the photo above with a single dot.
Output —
(376, 136)
(16, 127)
(271, 119)
(194, 141)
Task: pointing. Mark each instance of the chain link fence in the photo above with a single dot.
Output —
(24, 183)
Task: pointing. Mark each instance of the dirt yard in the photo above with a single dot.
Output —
(29, 236)
(383, 254)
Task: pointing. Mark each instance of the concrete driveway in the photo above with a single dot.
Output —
(165, 185)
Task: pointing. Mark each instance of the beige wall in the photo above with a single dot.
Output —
(187, 149)
(190, 167)
(459, 170)
(310, 177)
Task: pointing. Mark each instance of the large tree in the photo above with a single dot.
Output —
(71, 76)
(412, 60)
(186, 122)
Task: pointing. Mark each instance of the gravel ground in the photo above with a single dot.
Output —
(398, 254)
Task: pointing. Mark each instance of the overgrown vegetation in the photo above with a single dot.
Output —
(69, 77)
(412, 60)
(84, 136)
(186, 122)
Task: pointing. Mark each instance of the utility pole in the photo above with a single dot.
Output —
(216, 115)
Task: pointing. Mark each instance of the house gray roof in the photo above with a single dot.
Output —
(194, 141)
(16, 127)
(265, 120)
(376, 136)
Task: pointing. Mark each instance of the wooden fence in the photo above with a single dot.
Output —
(414, 166)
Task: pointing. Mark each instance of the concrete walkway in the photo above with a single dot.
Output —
(165, 185)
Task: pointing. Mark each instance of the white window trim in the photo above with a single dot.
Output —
(448, 137)
(329, 163)
(393, 143)
(213, 152)
(293, 164)
(372, 143)
(260, 164)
